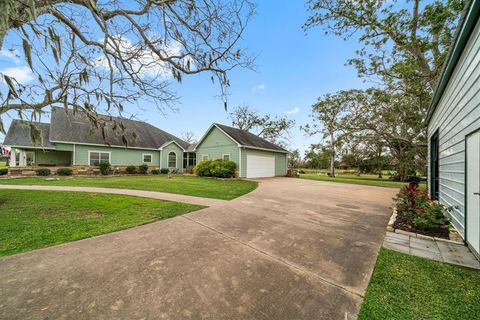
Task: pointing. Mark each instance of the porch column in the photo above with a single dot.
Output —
(22, 161)
(13, 157)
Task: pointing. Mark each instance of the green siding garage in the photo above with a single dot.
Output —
(254, 156)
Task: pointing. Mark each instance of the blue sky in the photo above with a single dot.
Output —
(293, 70)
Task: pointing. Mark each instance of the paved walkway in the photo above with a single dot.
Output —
(291, 249)
(137, 193)
(447, 252)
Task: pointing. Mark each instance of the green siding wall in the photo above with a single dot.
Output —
(280, 161)
(178, 151)
(61, 158)
(215, 145)
(119, 156)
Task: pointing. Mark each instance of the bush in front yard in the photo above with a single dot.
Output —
(143, 169)
(64, 172)
(202, 169)
(3, 171)
(43, 172)
(155, 171)
(164, 171)
(105, 168)
(131, 169)
(217, 168)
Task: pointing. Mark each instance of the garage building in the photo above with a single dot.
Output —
(254, 156)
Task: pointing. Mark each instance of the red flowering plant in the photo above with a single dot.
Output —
(416, 212)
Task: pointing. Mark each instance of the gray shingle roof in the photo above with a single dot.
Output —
(248, 139)
(19, 135)
(76, 128)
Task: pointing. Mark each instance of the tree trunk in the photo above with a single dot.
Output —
(332, 159)
(406, 165)
(379, 162)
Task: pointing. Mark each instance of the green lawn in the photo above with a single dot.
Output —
(364, 179)
(187, 185)
(36, 219)
(408, 287)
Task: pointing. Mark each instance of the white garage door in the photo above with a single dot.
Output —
(260, 166)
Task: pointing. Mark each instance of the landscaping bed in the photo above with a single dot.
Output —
(405, 223)
(416, 213)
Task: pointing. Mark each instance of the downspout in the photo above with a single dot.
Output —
(239, 162)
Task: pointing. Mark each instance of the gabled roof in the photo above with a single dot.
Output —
(173, 141)
(245, 139)
(70, 127)
(466, 25)
(19, 135)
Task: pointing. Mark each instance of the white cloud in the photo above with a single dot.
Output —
(21, 74)
(10, 54)
(144, 61)
(260, 87)
(293, 111)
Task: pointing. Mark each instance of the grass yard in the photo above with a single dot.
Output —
(408, 287)
(37, 219)
(364, 179)
(187, 185)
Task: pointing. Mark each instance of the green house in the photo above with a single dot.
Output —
(70, 139)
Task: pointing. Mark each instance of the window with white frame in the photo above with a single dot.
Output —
(147, 158)
(172, 160)
(205, 157)
(95, 157)
(226, 157)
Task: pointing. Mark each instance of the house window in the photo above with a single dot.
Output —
(172, 160)
(147, 158)
(189, 159)
(192, 159)
(205, 157)
(226, 157)
(96, 157)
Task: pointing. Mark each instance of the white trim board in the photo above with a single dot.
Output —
(170, 142)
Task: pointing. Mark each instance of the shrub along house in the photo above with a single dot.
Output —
(454, 131)
(70, 140)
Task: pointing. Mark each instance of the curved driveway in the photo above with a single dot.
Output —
(292, 249)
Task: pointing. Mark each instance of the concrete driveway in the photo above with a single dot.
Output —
(292, 249)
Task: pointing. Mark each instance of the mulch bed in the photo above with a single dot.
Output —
(405, 223)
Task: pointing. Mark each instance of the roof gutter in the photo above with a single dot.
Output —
(264, 149)
(468, 23)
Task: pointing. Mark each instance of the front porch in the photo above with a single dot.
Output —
(36, 157)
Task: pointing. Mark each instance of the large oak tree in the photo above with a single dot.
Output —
(403, 46)
(94, 54)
